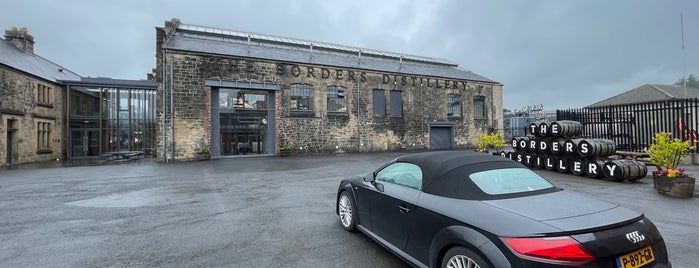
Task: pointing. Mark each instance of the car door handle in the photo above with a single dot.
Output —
(403, 209)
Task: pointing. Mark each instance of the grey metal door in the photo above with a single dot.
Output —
(441, 137)
(9, 147)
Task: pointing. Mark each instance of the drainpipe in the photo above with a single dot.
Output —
(359, 77)
(164, 152)
(172, 112)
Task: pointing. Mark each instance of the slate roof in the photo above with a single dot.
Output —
(30, 63)
(251, 45)
(648, 92)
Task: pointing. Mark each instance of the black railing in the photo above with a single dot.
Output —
(633, 126)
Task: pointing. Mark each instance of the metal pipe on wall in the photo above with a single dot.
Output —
(172, 112)
(359, 77)
(164, 152)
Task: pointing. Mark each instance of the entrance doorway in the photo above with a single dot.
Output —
(11, 133)
(84, 143)
(441, 135)
(242, 118)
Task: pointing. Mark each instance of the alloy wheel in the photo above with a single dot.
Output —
(345, 208)
(461, 261)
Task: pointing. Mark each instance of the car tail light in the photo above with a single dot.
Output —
(557, 250)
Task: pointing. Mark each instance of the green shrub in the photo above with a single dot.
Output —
(495, 140)
(667, 152)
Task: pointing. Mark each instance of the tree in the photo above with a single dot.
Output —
(691, 81)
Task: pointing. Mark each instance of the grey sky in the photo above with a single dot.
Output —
(562, 54)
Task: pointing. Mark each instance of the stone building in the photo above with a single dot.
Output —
(31, 102)
(48, 112)
(235, 92)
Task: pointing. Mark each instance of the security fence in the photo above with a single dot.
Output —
(633, 126)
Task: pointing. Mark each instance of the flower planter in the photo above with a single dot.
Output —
(682, 187)
(284, 152)
(203, 156)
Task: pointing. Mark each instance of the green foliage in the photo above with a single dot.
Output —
(667, 152)
(691, 81)
(494, 140)
(286, 146)
(203, 149)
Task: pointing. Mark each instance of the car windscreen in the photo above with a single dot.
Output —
(509, 181)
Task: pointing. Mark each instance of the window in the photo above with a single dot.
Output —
(378, 100)
(509, 180)
(336, 100)
(454, 105)
(43, 135)
(479, 107)
(301, 100)
(43, 94)
(405, 174)
(396, 99)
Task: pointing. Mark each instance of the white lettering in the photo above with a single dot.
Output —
(523, 144)
(554, 129)
(561, 165)
(532, 144)
(519, 158)
(583, 148)
(611, 169)
(577, 166)
(555, 147)
(569, 147)
(543, 146)
(592, 168)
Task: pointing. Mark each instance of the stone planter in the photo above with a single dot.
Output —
(284, 152)
(682, 187)
(203, 156)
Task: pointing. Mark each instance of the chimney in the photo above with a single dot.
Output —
(21, 38)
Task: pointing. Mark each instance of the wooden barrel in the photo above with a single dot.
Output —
(522, 143)
(543, 146)
(570, 146)
(577, 166)
(556, 146)
(550, 162)
(544, 129)
(562, 164)
(506, 153)
(515, 143)
(539, 161)
(593, 168)
(528, 160)
(533, 129)
(624, 169)
(566, 129)
(519, 156)
(533, 145)
(596, 148)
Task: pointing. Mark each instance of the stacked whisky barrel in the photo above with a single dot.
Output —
(556, 146)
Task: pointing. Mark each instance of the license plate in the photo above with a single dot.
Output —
(636, 258)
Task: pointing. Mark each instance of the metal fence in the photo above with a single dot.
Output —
(633, 126)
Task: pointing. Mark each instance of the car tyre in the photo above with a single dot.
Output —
(346, 211)
(463, 257)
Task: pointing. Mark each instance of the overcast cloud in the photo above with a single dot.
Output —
(562, 54)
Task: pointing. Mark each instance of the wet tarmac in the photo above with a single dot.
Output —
(236, 212)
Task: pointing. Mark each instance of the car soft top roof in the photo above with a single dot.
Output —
(436, 164)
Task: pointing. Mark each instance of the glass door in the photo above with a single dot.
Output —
(84, 143)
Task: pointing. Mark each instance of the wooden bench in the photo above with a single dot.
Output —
(637, 156)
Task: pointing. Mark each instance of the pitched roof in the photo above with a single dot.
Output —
(648, 92)
(30, 63)
(111, 82)
(243, 44)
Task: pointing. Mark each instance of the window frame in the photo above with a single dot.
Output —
(336, 93)
(308, 92)
(479, 107)
(43, 136)
(454, 98)
(377, 104)
(394, 111)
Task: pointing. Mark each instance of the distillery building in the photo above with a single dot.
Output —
(229, 92)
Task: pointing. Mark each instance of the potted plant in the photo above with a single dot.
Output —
(667, 152)
(285, 150)
(495, 140)
(203, 153)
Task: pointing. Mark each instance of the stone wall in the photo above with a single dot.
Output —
(322, 132)
(19, 103)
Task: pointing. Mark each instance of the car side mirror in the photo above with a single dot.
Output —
(369, 178)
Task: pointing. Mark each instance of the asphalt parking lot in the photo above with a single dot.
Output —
(237, 212)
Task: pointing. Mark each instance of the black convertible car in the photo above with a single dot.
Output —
(464, 209)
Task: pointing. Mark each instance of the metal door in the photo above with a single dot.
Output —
(441, 137)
